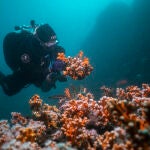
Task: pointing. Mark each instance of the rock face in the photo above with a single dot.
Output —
(119, 45)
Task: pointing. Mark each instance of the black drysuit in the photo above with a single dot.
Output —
(29, 61)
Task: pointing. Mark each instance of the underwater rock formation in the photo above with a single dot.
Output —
(119, 44)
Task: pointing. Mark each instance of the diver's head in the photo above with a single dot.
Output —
(45, 35)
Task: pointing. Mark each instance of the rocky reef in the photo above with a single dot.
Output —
(116, 121)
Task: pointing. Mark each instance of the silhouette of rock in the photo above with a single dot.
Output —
(119, 45)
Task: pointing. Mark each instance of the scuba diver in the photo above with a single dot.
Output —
(31, 53)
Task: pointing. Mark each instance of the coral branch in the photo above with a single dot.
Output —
(76, 67)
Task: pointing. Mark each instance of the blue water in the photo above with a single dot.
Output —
(103, 29)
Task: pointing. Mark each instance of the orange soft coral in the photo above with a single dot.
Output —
(76, 67)
(120, 122)
(18, 118)
(77, 114)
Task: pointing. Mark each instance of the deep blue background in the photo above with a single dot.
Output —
(114, 34)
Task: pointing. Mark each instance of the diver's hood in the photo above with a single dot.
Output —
(46, 35)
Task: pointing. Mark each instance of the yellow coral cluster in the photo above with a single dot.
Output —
(28, 131)
(27, 134)
(50, 115)
(33, 132)
(36, 104)
(35, 101)
(44, 112)
(76, 67)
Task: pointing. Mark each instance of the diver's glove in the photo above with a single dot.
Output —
(49, 82)
(58, 66)
(61, 78)
(52, 78)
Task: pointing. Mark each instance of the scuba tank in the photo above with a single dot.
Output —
(31, 28)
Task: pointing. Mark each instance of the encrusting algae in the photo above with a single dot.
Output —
(119, 121)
